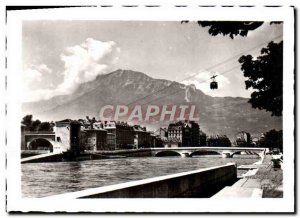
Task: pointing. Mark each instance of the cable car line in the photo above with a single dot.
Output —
(207, 69)
(181, 90)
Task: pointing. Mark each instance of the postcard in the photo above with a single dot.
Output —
(150, 109)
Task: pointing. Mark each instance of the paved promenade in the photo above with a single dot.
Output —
(263, 181)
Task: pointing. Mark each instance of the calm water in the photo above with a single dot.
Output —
(45, 179)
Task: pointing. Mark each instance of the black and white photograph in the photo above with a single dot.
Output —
(150, 109)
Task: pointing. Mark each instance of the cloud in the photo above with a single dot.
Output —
(30, 75)
(82, 63)
(202, 82)
(34, 74)
(32, 79)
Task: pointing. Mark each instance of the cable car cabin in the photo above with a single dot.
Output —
(213, 85)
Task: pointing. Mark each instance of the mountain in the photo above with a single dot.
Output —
(218, 115)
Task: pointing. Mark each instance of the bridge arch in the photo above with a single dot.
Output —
(167, 153)
(40, 144)
(237, 152)
(204, 152)
(247, 153)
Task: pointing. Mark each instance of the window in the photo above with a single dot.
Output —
(58, 139)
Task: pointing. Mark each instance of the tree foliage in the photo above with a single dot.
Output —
(27, 120)
(265, 73)
(45, 126)
(272, 139)
(232, 28)
(265, 76)
(36, 125)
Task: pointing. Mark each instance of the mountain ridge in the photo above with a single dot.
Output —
(218, 115)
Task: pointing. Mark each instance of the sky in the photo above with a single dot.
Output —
(60, 55)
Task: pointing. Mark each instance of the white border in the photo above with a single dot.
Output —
(166, 13)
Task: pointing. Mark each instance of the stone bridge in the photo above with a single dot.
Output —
(227, 152)
(44, 139)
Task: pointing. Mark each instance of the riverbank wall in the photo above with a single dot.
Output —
(126, 153)
(196, 183)
(40, 157)
(48, 157)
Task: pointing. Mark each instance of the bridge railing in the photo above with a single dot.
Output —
(38, 132)
(211, 148)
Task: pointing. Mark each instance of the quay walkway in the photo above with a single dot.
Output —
(261, 181)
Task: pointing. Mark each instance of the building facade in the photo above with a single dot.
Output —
(124, 134)
(184, 134)
(142, 138)
(67, 134)
(243, 139)
(218, 141)
(194, 137)
(96, 139)
(111, 141)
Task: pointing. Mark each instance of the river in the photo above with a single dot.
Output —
(46, 179)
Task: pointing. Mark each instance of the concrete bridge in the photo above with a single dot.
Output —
(227, 152)
(33, 139)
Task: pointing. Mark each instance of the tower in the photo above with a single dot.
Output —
(67, 134)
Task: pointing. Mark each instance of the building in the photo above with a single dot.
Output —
(83, 137)
(194, 137)
(184, 134)
(255, 141)
(156, 140)
(96, 139)
(67, 134)
(163, 132)
(97, 125)
(218, 141)
(110, 127)
(111, 141)
(124, 134)
(161, 137)
(175, 134)
(142, 138)
(243, 139)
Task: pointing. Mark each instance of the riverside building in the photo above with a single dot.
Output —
(184, 134)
